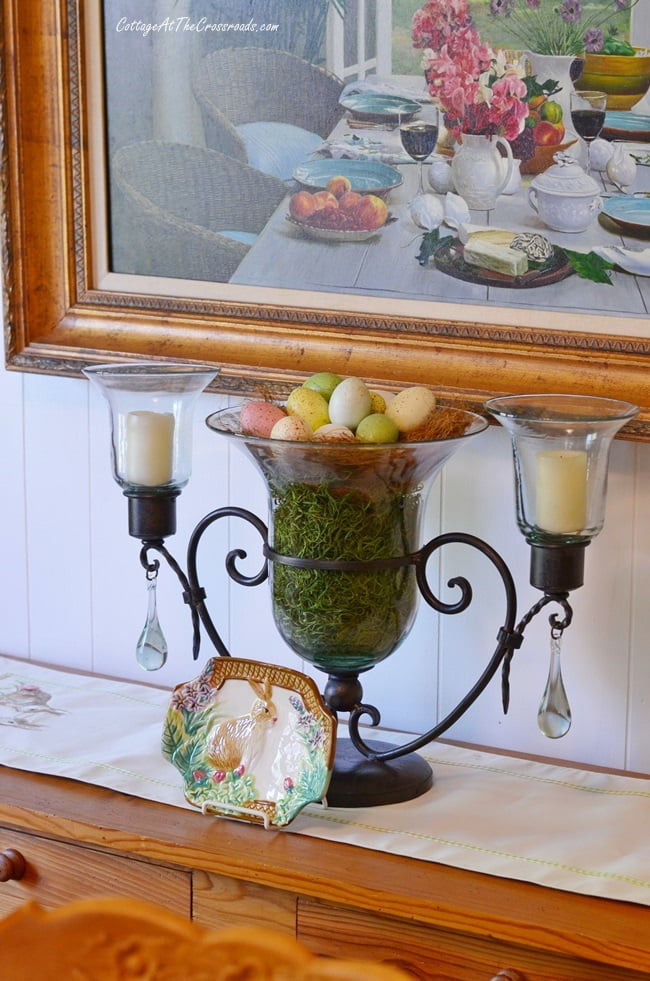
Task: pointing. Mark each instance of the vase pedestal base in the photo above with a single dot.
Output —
(361, 782)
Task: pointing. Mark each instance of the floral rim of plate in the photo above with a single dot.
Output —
(252, 741)
(337, 234)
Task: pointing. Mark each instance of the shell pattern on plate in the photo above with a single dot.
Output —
(252, 741)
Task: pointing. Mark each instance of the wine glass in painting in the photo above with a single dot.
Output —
(419, 138)
(588, 117)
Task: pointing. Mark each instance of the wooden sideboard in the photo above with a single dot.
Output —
(435, 921)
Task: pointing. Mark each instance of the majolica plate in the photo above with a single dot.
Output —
(630, 213)
(365, 176)
(252, 741)
(371, 105)
(449, 259)
(620, 125)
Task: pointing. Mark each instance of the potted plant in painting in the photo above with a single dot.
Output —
(555, 36)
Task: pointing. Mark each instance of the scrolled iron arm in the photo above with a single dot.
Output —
(198, 603)
(508, 640)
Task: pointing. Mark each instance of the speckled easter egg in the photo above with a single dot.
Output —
(291, 428)
(259, 418)
(331, 433)
(377, 402)
(309, 405)
(411, 408)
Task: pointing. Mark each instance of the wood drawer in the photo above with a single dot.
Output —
(219, 901)
(58, 873)
(430, 954)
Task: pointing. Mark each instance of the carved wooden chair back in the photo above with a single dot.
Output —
(121, 939)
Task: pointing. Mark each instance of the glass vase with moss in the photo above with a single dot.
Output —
(345, 522)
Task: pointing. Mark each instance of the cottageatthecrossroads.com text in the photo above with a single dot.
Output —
(182, 25)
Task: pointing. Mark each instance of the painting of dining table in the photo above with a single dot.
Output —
(394, 189)
(223, 171)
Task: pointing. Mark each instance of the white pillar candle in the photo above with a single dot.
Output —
(149, 447)
(561, 491)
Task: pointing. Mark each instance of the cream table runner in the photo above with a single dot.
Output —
(554, 825)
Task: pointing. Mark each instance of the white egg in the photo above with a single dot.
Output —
(456, 210)
(427, 211)
(350, 403)
(440, 177)
(600, 154)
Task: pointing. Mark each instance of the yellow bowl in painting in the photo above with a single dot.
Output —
(625, 78)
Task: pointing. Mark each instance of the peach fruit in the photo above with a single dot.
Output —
(301, 205)
(348, 200)
(324, 199)
(338, 186)
(370, 212)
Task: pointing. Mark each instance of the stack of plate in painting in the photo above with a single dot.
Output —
(380, 108)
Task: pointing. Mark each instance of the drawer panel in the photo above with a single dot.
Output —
(430, 954)
(58, 873)
(218, 901)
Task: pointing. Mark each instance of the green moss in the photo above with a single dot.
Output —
(343, 620)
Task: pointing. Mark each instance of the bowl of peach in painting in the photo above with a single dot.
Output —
(338, 213)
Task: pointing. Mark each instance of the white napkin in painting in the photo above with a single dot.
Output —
(634, 261)
(361, 148)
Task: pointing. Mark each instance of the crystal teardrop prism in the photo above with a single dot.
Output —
(151, 649)
(554, 715)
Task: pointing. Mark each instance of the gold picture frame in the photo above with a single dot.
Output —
(60, 315)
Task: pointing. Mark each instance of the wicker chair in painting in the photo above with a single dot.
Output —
(248, 85)
(116, 939)
(172, 203)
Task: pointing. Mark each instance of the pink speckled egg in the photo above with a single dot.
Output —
(291, 427)
(259, 418)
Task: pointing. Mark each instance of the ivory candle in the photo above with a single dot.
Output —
(149, 447)
(561, 491)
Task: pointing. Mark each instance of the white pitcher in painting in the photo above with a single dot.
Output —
(478, 170)
(560, 68)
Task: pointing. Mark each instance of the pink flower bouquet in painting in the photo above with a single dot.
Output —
(479, 90)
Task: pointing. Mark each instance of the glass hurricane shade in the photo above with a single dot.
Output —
(152, 411)
(339, 503)
(560, 446)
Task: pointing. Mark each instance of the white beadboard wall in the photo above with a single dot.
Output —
(72, 592)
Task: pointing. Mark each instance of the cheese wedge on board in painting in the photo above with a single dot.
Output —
(496, 258)
(483, 233)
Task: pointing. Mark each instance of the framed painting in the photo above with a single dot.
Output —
(97, 100)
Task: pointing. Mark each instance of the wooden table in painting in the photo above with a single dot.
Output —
(386, 265)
